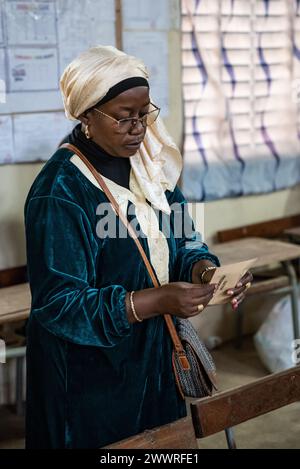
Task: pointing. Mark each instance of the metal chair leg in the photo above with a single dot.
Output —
(19, 385)
(294, 297)
(230, 438)
(239, 327)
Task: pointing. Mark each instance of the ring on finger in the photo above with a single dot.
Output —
(248, 285)
(200, 308)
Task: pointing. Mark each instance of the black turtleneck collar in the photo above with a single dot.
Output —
(115, 168)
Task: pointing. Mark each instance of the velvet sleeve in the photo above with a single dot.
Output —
(190, 247)
(62, 253)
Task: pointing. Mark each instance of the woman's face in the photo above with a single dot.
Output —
(105, 132)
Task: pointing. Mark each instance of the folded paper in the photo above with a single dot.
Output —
(226, 277)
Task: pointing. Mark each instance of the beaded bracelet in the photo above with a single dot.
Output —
(133, 308)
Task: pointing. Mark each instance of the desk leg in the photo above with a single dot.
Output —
(230, 438)
(19, 385)
(294, 296)
(239, 327)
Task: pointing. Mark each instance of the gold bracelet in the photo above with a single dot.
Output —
(133, 308)
(210, 267)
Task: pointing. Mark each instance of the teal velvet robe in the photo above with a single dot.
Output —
(92, 377)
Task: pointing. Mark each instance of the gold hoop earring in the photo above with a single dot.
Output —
(86, 131)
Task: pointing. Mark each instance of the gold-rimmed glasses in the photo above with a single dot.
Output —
(127, 124)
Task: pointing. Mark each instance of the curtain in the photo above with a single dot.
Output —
(241, 87)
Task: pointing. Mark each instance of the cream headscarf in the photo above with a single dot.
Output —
(86, 80)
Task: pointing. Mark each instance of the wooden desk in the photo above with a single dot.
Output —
(293, 234)
(267, 251)
(14, 303)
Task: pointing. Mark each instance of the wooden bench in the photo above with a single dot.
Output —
(220, 412)
(15, 302)
(13, 276)
(267, 229)
(230, 408)
(179, 434)
(293, 234)
(279, 281)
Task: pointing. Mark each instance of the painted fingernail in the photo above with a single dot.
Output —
(239, 284)
(229, 292)
(234, 301)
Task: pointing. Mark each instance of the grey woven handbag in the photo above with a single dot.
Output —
(200, 379)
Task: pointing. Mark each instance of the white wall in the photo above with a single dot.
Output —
(15, 181)
(231, 213)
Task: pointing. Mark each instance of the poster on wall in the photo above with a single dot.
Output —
(52, 127)
(32, 69)
(1, 24)
(6, 140)
(152, 48)
(39, 38)
(84, 24)
(30, 23)
(146, 14)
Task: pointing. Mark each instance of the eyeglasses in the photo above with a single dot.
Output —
(123, 126)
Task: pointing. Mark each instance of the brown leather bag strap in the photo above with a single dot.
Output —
(172, 330)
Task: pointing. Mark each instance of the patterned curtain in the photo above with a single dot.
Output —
(241, 89)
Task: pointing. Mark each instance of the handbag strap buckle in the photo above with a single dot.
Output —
(184, 363)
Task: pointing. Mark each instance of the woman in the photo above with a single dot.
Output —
(99, 356)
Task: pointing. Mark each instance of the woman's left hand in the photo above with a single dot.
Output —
(238, 293)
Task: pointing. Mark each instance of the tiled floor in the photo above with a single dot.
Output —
(278, 429)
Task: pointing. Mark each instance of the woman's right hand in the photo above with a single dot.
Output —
(182, 298)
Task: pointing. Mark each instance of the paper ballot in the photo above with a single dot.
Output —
(226, 277)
